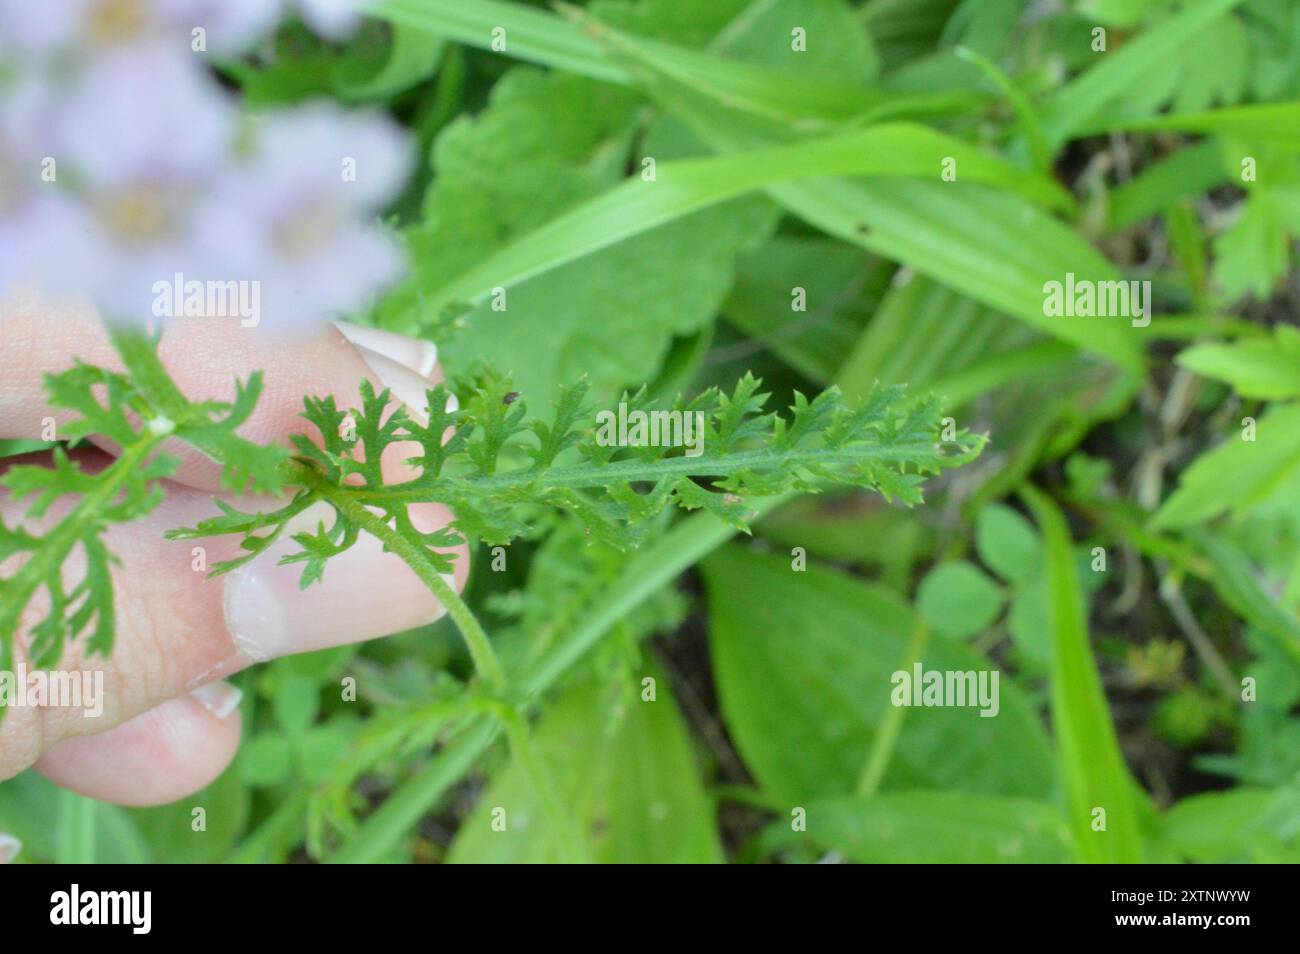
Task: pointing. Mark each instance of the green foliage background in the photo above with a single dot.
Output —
(819, 169)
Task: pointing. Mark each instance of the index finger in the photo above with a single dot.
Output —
(205, 357)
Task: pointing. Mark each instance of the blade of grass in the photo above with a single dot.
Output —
(1093, 768)
(906, 221)
(973, 239)
(758, 90)
(1024, 110)
(635, 206)
(275, 837)
(77, 824)
(882, 748)
(1276, 122)
(384, 828)
(1191, 170)
(537, 36)
(998, 369)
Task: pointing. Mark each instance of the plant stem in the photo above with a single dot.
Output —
(634, 471)
(651, 568)
(655, 566)
(882, 748)
(1171, 592)
(486, 662)
(275, 837)
(76, 829)
(411, 800)
(416, 556)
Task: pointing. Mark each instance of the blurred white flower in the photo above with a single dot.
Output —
(333, 19)
(100, 26)
(124, 163)
(36, 28)
(299, 212)
(34, 212)
(144, 136)
(145, 114)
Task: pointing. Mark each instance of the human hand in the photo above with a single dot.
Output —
(169, 723)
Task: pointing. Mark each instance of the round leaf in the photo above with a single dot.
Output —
(958, 600)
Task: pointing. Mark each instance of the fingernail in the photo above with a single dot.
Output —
(220, 698)
(364, 593)
(418, 355)
(9, 848)
(407, 386)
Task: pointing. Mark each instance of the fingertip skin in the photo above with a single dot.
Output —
(158, 757)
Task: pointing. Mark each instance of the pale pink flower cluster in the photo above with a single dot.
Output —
(127, 168)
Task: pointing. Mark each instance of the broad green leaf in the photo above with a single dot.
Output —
(1215, 68)
(817, 273)
(923, 827)
(267, 759)
(853, 530)
(1259, 368)
(171, 829)
(788, 96)
(543, 145)
(838, 46)
(1273, 29)
(626, 774)
(1120, 13)
(298, 66)
(971, 239)
(1007, 543)
(965, 236)
(804, 711)
(295, 701)
(29, 811)
(958, 600)
(683, 22)
(1237, 473)
(1094, 772)
(1030, 621)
